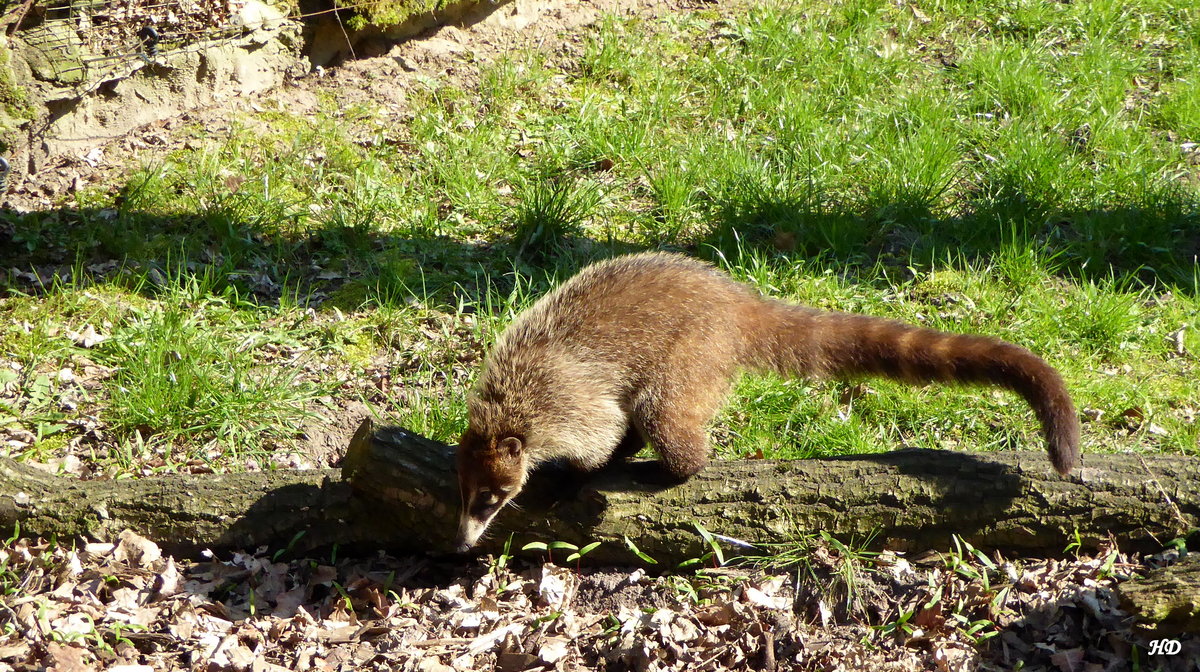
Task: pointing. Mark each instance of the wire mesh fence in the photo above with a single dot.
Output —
(72, 49)
(80, 40)
(82, 43)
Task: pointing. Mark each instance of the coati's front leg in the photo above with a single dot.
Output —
(682, 447)
(631, 444)
(676, 426)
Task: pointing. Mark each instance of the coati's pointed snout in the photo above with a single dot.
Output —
(477, 514)
(490, 474)
(461, 545)
(469, 531)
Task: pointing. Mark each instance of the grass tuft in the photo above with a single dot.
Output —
(550, 212)
(184, 379)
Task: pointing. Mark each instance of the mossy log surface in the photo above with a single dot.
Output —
(1168, 599)
(907, 500)
(398, 491)
(183, 513)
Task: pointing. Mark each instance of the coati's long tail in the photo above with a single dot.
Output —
(793, 340)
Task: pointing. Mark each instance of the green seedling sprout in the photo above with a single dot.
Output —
(549, 548)
(638, 552)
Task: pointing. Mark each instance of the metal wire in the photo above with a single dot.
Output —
(177, 3)
(149, 38)
(281, 19)
(82, 35)
(62, 39)
(134, 61)
(206, 37)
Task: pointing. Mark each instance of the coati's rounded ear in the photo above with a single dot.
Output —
(510, 446)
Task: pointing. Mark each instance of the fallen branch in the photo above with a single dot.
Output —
(398, 491)
(182, 513)
(908, 499)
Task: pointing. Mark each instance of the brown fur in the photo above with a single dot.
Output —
(645, 347)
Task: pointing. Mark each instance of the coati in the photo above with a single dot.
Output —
(643, 348)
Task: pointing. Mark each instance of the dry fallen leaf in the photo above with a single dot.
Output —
(556, 586)
(758, 598)
(136, 550)
(88, 338)
(68, 658)
(168, 583)
(1070, 660)
(714, 615)
(553, 650)
(488, 642)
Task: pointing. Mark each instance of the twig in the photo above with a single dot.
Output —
(450, 641)
(1183, 524)
(12, 28)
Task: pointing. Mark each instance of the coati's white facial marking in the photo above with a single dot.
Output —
(477, 514)
(490, 474)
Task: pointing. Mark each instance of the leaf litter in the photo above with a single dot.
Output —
(126, 606)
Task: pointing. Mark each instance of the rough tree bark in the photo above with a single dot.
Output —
(180, 512)
(398, 491)
(1168, 597)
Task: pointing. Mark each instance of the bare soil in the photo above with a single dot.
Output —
(383, 76)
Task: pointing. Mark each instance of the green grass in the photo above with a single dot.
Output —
(549, 213)
(1019, 169)
(187, 371)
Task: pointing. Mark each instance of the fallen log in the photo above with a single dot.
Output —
(905, 500)
(183, 513)
(398, 491)
(1166, 600)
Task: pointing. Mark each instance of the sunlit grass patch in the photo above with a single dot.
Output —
(1023, 170)
(178, 382)
(175, 367)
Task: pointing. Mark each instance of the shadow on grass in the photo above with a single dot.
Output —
(1153, 240)
(276, 255)
(270, 261)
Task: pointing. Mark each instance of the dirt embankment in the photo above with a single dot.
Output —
(82, 89)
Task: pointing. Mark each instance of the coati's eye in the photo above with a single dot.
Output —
(486, 499)
(486, 503)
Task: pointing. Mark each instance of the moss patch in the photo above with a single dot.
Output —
(387, 13)
(15, 109)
